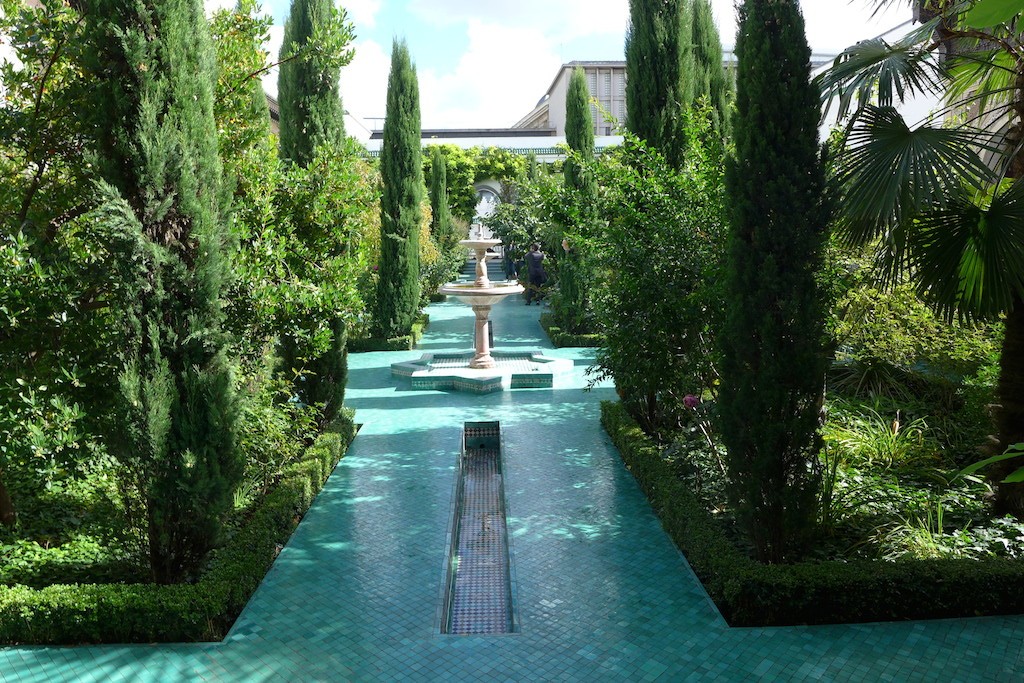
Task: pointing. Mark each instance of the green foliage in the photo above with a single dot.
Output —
(660, 73)
(561, 339)
(402, 343)
(307, 83)
(240, 105)
(936, 209)
(302, 230)
(43, 136)
(774, 356)
(398, 286)
(205, 610)
(871, 440)
(273, 431)
(465, 167)
(991, 12)
(573, 304)
(710, 80)
(658, 303)
(753, 594)
(441, 225)
(460, 174)
(155, 76)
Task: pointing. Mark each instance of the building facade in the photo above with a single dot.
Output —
(607, 84)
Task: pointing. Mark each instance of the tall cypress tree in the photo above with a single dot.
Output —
(307, 89)
(312, 115)
(659, 70)
(709, 76)
(398, 286)
(441, 216)
(774, 358)
(154, 83)
(579, 134)
(574, 302)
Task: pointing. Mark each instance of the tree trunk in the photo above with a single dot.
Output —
(1009, 411)
(8, 515)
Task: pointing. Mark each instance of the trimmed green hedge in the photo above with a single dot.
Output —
(404, 343)
(562, 339)
(751, 594)
(142, 613)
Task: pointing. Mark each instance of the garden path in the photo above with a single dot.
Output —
(601, 592)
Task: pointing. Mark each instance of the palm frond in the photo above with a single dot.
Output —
(873, 67)
(890, 173)
(969, 259)
(979, 77)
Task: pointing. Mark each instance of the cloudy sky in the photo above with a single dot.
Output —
(486, 63)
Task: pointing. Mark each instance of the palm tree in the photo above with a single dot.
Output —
(943, 201)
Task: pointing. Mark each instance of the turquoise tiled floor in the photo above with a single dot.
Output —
(601, 592)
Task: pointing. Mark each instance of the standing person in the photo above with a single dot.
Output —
(535, 268)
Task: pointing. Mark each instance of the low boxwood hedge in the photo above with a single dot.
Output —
(752, 594)
(205, 610)
(562, 339)
(406, 342)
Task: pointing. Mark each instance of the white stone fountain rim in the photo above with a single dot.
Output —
(539, 373)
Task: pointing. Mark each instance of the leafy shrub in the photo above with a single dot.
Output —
(658, 300)
(752, 594)
(402, 343)
(869, 439)
(560, 338)
(134, 613)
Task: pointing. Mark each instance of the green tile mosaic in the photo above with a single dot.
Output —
(601, 593)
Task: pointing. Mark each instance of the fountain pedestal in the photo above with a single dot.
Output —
(483, 358)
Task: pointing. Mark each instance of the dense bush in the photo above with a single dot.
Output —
(404, 342)
(205, 610)
(561, 338)
(753, 594)
(659, 265)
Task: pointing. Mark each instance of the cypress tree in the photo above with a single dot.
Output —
(441, 216)
(659, 71)
(709, 76)
(312, 115)
(579, 134)
(774, 358)
(154, 84)
(574, 303)
(307, 90)
(398, 286)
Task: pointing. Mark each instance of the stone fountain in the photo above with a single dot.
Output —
(482, 371)
(481, 294)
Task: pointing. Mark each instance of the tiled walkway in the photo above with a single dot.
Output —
(600, 592)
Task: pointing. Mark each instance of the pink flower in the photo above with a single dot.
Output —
(690, 401)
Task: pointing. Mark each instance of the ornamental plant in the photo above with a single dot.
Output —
(774, 355)
(153, 76)
(659, 262)
(398, 286)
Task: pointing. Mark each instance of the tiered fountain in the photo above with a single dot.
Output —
(481, 294)
(482, 371)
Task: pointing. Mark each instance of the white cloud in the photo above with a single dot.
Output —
(559, 20)
(214, 5)
(489, 87)
(496, 81)
(364, 86)
(831, 25)
(362, 13)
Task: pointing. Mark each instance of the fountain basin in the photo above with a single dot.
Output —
(472, 294)
(511, 370)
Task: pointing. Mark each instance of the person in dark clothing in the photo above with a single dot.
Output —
(535, 269)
